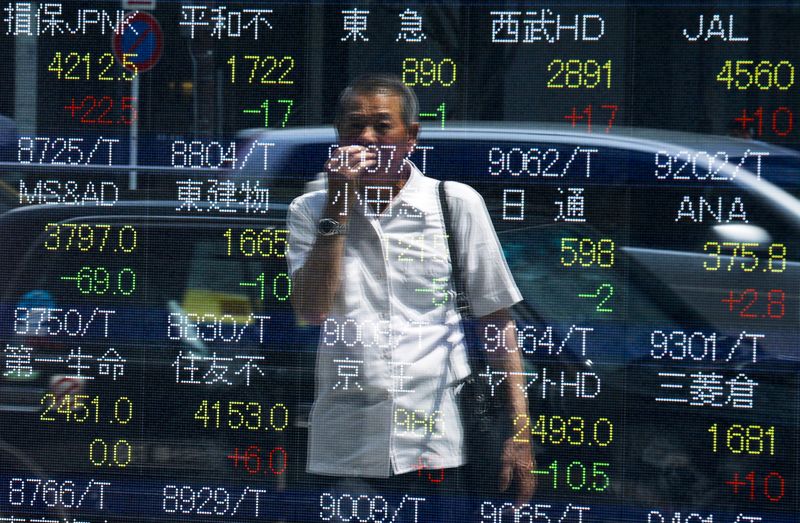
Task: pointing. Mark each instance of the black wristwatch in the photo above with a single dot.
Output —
(330, 227)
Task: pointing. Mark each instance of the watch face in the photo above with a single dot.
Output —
(328, 227)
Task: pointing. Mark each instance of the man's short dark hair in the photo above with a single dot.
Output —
(369, 84)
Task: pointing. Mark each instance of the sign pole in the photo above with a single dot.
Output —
(141, 39)
(133, 156)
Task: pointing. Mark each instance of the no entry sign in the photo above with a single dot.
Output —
(141, 39)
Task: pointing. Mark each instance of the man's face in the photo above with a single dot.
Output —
(375, 121)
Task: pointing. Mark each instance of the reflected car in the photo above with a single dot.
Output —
(658, 272)
(145, 331)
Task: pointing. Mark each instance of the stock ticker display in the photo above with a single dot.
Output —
(639, 162)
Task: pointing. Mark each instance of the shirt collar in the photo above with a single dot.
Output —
(409, 194)
(412, 185)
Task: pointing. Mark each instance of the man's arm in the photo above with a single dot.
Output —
(317, 282)
(518, 458)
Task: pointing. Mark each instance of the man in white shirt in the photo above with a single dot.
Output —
(369, 263)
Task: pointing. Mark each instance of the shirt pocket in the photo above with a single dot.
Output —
(426, 286)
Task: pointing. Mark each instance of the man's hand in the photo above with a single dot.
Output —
(316, 284)
(517, 460)
(344, 169)
(517, 464)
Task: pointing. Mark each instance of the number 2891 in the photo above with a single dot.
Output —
(577, 74)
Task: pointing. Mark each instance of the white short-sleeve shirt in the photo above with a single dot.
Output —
(392, 347)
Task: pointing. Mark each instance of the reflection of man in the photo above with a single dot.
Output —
(369, 263)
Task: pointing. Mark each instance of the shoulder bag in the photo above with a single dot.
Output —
(484, 416)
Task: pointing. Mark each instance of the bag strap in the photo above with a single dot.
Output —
(462, 303)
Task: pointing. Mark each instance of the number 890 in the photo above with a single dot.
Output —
(425, 72)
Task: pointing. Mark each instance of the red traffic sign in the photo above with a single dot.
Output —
(62, 386)
(141, 40)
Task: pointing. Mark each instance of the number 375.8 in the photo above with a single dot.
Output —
(746, 255)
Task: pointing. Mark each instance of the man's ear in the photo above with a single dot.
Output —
(413, 132)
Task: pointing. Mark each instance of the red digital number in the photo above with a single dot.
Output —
(772, 485)
(610, 111)
(780, 121)
(433, 475)
(747, 305)
(254, 461)
(101, 111)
